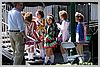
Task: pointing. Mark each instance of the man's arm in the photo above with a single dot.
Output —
(20, 23)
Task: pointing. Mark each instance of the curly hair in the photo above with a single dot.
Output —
(64, 14)
(28, 16)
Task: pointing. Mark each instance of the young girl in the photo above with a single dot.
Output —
(64, 32)
(30, 31)
(40, 22)
(50, 38)
(79, 32)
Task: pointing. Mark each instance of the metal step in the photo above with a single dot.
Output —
(36, 62)
(6, 39)
(4, 34)
(7, 54)
(6, 44)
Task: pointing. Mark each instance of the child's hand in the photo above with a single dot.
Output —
(58, 25)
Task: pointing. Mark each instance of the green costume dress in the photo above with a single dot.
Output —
(50, 35)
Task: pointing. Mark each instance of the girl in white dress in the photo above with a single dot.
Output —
(64, 32)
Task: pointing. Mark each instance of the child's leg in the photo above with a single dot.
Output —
(63, 51)
(31, 52)
(41, 46)
(47, 55)
(42, 53)
(79, 49)
(51, 56)
(82, 52)
(28, 51)
(35, 49)
(32, 49)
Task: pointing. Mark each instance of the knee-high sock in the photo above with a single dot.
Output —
(34, 50)
(80, 59)
(46, 59)
(42, 53)
(65, 57)
(30, 55)
(52, 58)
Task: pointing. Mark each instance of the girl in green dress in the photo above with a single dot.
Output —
(50, 38)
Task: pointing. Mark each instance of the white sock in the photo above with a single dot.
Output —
(52, 58)
(80, 60)
(67, 53)
(30, 55)
(65, 57)
(42, 53)
(34, 50)
(46, 59)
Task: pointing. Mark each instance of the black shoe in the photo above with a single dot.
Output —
(66, 62)
(53, 63)
(76, 61)
(48, 63)
(31, 60)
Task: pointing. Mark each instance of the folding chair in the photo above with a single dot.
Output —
(70, 45)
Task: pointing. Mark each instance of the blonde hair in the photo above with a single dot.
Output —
(28, 16)
(23, 13)
(63, 14)
(79, 16)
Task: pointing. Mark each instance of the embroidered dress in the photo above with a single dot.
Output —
(40, 23)
(30, 28)
(50, 36)
(40, 26)
(32, 33)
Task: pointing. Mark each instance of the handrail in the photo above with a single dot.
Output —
(5, 23)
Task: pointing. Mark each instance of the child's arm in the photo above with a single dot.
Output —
(77, 37)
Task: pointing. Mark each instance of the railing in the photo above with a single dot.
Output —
(5, 35)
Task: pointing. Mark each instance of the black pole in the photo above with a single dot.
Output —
(73, 25)
(72, 19)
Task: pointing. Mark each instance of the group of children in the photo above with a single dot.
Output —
(46, 34)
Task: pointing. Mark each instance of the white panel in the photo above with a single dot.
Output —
(94, 11)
